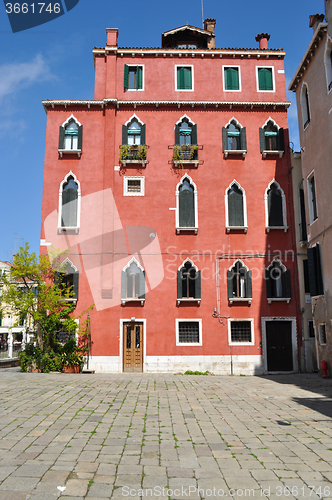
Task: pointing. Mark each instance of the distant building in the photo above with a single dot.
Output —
(171, 190)
(312, 83)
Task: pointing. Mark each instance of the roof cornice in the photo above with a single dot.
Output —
(118, 103)
(310, 52)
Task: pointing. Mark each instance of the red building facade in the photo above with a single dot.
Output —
(171, 195)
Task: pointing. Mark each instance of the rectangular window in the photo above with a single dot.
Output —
(306, 276)
(311, 330)
(265, 77)
(312, 198)
(240, 331)
(184, 78)
(322, 333)
(315, 271)
(133, 186)
(188, 332)
(231, 78)
(133, 77)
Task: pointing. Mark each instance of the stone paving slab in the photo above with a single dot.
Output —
(137, 436)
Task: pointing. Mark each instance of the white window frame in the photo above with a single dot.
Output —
(133, 299)
(320, 325)
(134, 178)
(310, 203)
(73, 228)
(273, 79)
(284, 227)
(190, 299)
(188, 320)
(328, 63)
(267, 152)
(176, 78)
(239, 299)
(234, 151)
(70, 151)
(244, 199)
(143, 77)
(177, 211)
(223, 77)
(230, 321)
(304, 109)
(284, 269)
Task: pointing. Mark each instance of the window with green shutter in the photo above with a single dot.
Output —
(69, 203)
(278, 282)
(189, 282)
(184, 78)
(239, 282)
(231, 78)
(186, 205)
(275, 206)
(265, 79)
(235, 206)
(68, 281)
(133, 77)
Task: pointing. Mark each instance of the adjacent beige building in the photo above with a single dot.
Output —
(312, 83)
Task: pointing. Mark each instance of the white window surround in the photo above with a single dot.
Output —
(230, 321)
(283, 268)
(328, 63)
(273, 79)
(176, 80)
(294, 341)
(305, 113)
(245, 226)
(133, 117)
(71, 299)
(267, 152)
(177, 211)
(234, 151)
(240, 299)
(70, 151)
(134, 178)
(143, 77)
(74, 228)
(284, 227)
(184, 117)
(188, 320)
(191, 299)
(223, 77)
(310, 203)
(127, 266)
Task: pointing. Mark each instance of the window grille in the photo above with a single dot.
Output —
(189, 332)
(241, 331)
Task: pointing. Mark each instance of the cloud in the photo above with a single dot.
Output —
(15, 76)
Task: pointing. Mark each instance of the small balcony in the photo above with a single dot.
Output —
(185, 154)
(132, 154)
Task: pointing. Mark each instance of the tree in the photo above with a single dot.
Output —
(30, 290)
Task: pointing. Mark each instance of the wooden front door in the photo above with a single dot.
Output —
(132, 347)
(279, 346)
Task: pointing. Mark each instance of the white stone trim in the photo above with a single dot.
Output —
(70, 118)
(294, 341)
(191, 262)
(244, 199)
(233, 120)
(127, 266)
(126, 178)
(184, 65)
(133, 117)
(76, 228)
(273, 79)
(120, 358)
(177, 212)
(223, 77)
(231, 320)
(284, 208)
(143, 76)
(183, 118)
(271, 120)
(188, 320)
(278, 261)
(68, 261)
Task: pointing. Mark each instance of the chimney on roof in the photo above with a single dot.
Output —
(263, 38)
(209, 25)
(314, 20)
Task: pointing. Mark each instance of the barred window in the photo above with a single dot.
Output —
(134, 186)
(322, 333)
(189, 332)
(63, 336)
(241, 331)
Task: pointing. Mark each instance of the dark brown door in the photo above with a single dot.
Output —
(132, 347)
(279, 346)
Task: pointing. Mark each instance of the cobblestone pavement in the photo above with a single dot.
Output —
(135, 436)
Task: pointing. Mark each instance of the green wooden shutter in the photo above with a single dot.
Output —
(123, 285)
(180, 78)
(143, 134)
(124, 134)
(286, 285)
(320, 286)
(177, 134)
(230, 276)
(198, 285)
(243, 139)
(179, 284)
(303, 223)
(194, 134)
(265, 81)
(69, 208)
(248, 276)
(75, 285)
(126, 76)
(224, 139)
(262, 139)
(268, 283)
(141, 293)
(186, 209)
(275, 208)
(235, 207)
(61, 137)
(281, 140)
(187, 78)
(80, 137)
(139, 77)
(234, 79)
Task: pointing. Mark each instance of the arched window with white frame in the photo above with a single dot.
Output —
(278, 283)
(185, 138)
(275, 207)
(188, 282)
(271, 138)
(69, 203)
(67, 280)
(236, 207)
(71, 136)
(234, 138)
(133, 282)
(305, 105)
(328, 63)
(186, 205)
(239, 282)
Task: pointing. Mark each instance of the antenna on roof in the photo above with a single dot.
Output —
(202, 14)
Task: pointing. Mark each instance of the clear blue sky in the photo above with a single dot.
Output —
(54, 61)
